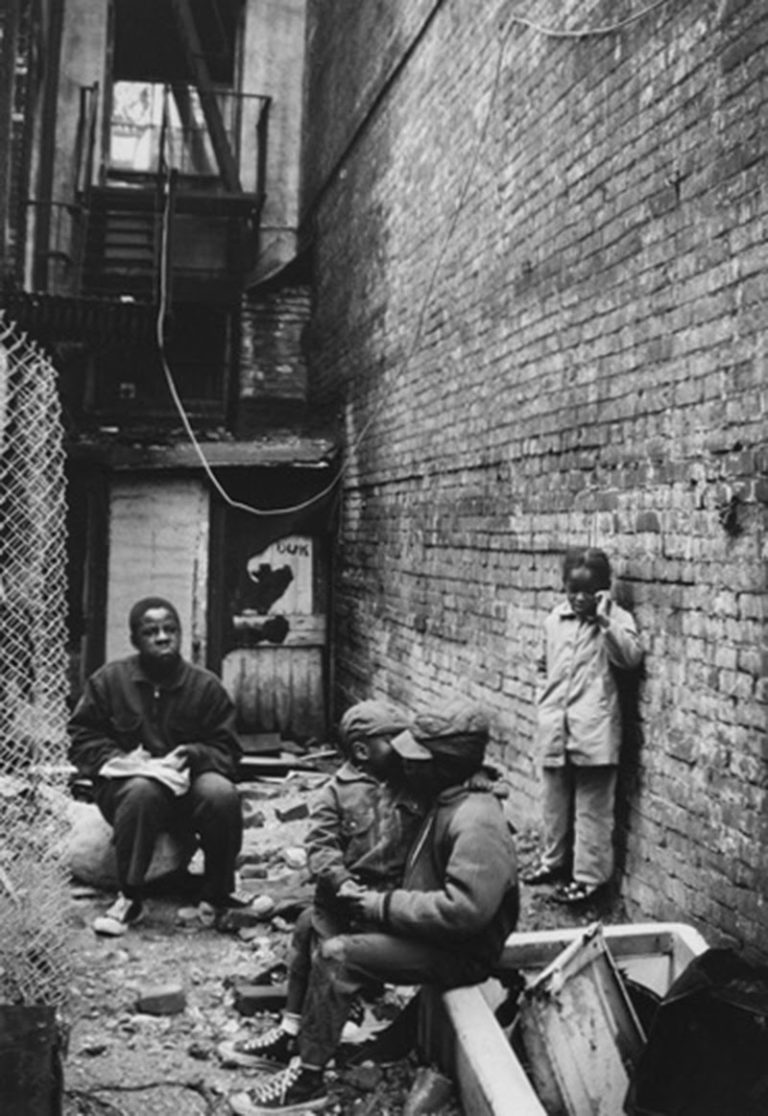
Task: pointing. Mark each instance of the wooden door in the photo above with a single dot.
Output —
(275, 665)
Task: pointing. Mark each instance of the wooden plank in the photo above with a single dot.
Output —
(277, 689)
(260, 743)
(491, 1080)
(303, 631)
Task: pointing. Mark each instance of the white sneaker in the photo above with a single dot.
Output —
(123, 914)
(362, 1025)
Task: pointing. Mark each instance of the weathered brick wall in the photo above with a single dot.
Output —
(540, 288)
(272, 370)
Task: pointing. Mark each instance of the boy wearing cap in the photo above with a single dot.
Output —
(445, 925)
(364, 821)
(157, 736)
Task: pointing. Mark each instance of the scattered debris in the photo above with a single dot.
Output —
(253, 817)
(162, 999)
(292, 813)
(366, 1076)
(430, 1093)
(295, 858)
(251, 999)
(142, 1048)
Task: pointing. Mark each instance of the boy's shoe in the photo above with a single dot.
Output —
(123, 914)
(542, 875)
(362, 1025)
(573, 894)
(271, 1051)
(294, 1090)
(354, 1023)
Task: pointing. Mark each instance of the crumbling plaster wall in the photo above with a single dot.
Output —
(541, 273)
(272, 66)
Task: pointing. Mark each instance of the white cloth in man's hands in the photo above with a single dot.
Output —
(166, 769)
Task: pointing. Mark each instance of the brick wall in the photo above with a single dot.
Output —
(272, 372)
(540, 300)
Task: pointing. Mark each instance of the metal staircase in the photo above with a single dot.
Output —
(121, 252)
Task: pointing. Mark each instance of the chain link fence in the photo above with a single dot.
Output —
(34, 953)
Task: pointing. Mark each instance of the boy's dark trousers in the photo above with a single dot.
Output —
(343, 965)
(139, 809)
(313, 926)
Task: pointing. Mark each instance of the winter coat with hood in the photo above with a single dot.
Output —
(460, 887)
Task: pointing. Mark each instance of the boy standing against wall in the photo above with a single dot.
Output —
(586, 639)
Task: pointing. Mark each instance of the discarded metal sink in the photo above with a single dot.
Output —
(579, 1031)
(570, 976)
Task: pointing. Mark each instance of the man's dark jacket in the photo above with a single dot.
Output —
(122, 708)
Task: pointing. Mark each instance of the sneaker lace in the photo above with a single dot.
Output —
(256, 1045)
(277, 1086)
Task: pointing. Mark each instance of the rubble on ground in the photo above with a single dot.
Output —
(124, 1061)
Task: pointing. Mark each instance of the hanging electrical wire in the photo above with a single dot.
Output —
(178, 402)
(586, 32)
(513, 19)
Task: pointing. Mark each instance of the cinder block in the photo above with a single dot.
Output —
(250, 999)
(162, 999)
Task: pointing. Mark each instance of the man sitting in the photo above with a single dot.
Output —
(445, 926)
(157, 736)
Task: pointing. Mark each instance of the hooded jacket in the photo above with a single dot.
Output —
(460, 886)
(122, 708)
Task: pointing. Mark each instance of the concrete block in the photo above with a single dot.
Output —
(162, 999)
(292, 813)
(250, 999)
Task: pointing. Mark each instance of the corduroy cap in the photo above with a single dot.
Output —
(459, 728)
(370, 718)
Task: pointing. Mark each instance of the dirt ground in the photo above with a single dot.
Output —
(125, 1062)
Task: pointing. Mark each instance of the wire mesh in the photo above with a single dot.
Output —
(34, 954)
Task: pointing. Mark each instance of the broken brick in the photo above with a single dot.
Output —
(292, 813)
(162, 999)
(250, 999)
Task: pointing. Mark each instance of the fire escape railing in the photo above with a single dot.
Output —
(170, 136)
(139, 157)
(173, 133)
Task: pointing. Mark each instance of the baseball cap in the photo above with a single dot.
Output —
(458, 728)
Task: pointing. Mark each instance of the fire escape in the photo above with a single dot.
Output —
(190, 154)
(169, 183)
